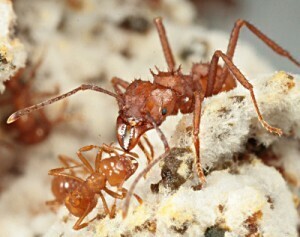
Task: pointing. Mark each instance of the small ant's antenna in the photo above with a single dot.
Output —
(83, 87)
(164, 43)
(137, 179)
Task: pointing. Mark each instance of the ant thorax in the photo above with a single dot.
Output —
(96, 181)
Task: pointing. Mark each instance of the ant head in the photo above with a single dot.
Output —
(140, 117)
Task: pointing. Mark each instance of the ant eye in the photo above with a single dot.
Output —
(164, 111)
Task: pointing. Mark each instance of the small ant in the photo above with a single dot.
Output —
(79, 195)
(144, 105)
(29, 130)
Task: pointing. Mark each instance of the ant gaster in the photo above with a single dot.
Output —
(79, 195)
(145, 105)
(29, 129)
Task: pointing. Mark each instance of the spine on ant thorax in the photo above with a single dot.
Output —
(183, 86)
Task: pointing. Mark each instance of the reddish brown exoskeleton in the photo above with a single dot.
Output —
(81, 195)
(29, 129)
(145, 105)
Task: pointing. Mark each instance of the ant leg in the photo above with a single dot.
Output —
(67, 161)
(138, 198)
(113, 194)
(83, 87)
(58, 172)
(245, 83)
(105, 206)
(137, 179)
(233, 42)
(148, 156)
(199, 97)
(149, 145)
(83, 159)
(165, 43)
(78, 224)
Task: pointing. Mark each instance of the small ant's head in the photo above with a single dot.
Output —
(129, 132)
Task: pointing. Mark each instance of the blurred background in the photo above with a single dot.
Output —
(276, 18)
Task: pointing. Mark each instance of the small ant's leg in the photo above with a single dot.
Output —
(58, 172)
(67, 161)
(149, 145)
(113, 194)
(83, 159)
(98, 159)
(105, 206)
(165, 43)
(199, 97)
(111, 149)
(233, 42)
(137, 179)
(116, 82)
(138, 198)
(78, 224)
(245, 83)
(83, 87)
(148, 156)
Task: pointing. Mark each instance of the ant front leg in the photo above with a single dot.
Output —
(199, 97)
(233, 42)
(165, 43)
(245, 83)
(85, 161)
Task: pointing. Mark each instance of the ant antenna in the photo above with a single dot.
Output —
(83, 87)
(137, 179)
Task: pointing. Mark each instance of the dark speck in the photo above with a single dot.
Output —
(214, 231)
(136, 24)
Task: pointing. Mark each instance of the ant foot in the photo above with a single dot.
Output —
(271, 129)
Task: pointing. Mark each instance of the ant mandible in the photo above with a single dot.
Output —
(79, 195)
(34, 129)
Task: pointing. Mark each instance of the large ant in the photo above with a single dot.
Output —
(145, 105)
(79, 195)
(28, 130)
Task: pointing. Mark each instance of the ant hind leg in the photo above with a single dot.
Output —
(233, 42)
(199, 97)
(245, 83)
